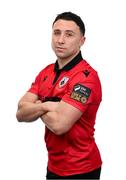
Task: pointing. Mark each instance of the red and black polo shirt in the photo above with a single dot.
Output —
(78, 84)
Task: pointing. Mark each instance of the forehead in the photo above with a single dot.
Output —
(65, 25)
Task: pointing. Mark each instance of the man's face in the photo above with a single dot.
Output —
(66, 39)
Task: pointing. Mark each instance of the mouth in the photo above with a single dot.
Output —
(60, 49)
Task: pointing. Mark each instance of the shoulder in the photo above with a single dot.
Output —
(86, 83)
(84, 72)
(46, 70)
(86, 76)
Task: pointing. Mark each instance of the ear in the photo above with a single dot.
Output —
(82, 41)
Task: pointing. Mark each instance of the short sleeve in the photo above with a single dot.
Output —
(35, 85)
(40, 78)
(80, 92)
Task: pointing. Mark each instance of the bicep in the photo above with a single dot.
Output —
(62, 119)
(69, 112)
(67, 115)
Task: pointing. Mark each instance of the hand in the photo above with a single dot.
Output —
(38, 102)
(51, 106)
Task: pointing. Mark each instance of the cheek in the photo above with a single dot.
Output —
(75, 44)
(53, 39)
(53, 43)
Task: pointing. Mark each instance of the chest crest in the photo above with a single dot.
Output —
(63, 81)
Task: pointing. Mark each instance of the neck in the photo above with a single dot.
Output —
(63, 61)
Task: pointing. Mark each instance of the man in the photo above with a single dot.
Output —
(66, 96)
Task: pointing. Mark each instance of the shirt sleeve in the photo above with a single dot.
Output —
(36, 84)
(80, 92)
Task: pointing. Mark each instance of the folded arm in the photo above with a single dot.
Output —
(30, 108)
(59, 117)
(62, 119)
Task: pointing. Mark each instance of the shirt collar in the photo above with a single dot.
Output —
(69, 65)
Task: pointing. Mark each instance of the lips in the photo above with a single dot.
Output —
(60, 49)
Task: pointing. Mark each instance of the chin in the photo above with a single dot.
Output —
(61, 55)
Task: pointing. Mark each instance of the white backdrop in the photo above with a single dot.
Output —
(25, 35)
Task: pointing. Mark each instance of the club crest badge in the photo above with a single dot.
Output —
(63, 82)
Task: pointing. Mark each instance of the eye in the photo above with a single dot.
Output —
(69, 34)
(56, 33)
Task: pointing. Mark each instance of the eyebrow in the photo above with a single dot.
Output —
(68, 31)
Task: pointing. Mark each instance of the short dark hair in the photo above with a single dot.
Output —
(72, 17)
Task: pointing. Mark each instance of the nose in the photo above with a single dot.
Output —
(61, 39)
